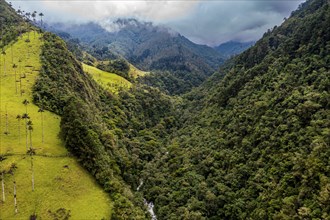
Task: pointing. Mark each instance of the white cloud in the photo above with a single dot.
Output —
(213, 22)
(206, 22)
(98, 10)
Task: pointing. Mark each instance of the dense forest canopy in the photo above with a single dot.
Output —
(254, 143)
(251, 142)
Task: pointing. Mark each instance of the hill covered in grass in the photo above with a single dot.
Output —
(110, 81)
(61, 186)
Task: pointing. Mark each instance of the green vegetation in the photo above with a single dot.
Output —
(109, 81)
(117, 66)
(150, 48)
(60, 183)
(253, 141)
(10, 23)
(94, 121)
(135, 72)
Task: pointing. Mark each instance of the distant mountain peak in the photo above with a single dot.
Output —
(113, 26)
(232, 48)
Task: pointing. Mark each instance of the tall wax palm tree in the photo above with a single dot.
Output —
(3, 185)
(12, 169)
(19, 117)
(15, 67)
(41, 110)
(34, 15)
(31, 152)
(26, 102)
(4, 61)
(20, 12)
(41, 15)
(6, 131)
(26, 117)
(30, 128)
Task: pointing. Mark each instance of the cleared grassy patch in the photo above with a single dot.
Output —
(59, 183)
(59, 180)
(135, 72)
(109, 81)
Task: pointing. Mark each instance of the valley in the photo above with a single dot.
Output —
(142, 123)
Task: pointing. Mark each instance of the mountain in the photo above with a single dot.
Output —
(149, 47)
(232, 48)
(39, 177)
(253, 140)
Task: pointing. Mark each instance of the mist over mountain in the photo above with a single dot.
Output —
(149, 47)
(232, 48)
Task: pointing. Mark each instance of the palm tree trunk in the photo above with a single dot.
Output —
(12, 55)
(4, 65)
(32, 170)
(3, 187)
(20, 85)
(26, 134)
(15, 82)
(42, 127)
(19, 131)
(30, 140)
(15, 199)
(6, 121)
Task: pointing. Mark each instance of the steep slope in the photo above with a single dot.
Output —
(10, 23)
(108, 81)
(254, 144)
(61, 186)
(149, 48)
(232, 48)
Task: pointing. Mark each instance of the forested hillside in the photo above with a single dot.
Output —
(254, 144)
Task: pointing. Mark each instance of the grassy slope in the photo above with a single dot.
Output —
(135, 72)
(56, 186)
(109, 81)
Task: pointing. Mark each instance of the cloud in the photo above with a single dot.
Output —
(206, 22)
(214, 22)
(99, 10)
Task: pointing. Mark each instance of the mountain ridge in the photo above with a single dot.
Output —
(150, 48)
(252, 141)
(232, 48)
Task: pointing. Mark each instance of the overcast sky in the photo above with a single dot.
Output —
(205, 22)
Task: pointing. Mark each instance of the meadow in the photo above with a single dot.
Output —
(108, 81)
(62, 187)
